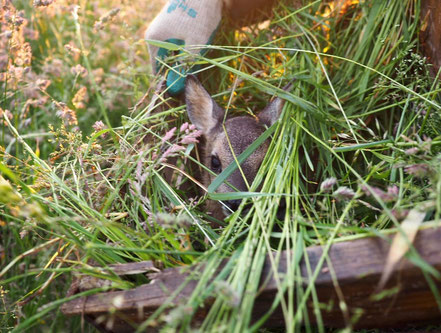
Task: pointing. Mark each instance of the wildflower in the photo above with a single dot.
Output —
(16, 20)
(8, 34)
(173, 149)
(419, 170)
(105, 18)
(170, 151)
(23, 56)
(393, 190)
(23, 233)
(168, 135)
(184, 126)
(54, 67)
(427, 144)
(79, 98)
(328, 184)
(225, 290)
(5, 114)
(389, 196)
(400, 214)
(31, 34)
(43, 84)
(169, 220)
(178, 314)
(98, 126)
(42, 3)
(79, 70)
(141, 176)
(72, 49)
(136, 188)
(191, 134)
(411, 151)
(98, 74)
(15, 75)
(32, 90)
(66, 114)
(191, 137)
(344, 193)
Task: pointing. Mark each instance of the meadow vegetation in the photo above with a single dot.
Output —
(94, 155)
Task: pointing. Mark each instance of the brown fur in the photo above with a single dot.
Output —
(226, 138)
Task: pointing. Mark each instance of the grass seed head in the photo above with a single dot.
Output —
(66, 114)
(43, 3)
(344, 193)
(328, 184)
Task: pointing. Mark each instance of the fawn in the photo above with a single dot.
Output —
(221, 135)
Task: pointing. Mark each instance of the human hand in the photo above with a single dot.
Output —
(186, 23)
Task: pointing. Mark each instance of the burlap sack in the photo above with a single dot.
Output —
(187, 22)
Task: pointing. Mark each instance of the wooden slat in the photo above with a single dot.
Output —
(431, 31)
(133, 268)
(357, 264)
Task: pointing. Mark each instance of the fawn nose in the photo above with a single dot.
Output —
(233, 204)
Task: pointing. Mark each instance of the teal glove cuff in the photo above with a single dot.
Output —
(175, 80)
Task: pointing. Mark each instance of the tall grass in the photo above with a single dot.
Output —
(356, 148)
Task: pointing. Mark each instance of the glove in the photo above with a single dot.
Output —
(182, 22)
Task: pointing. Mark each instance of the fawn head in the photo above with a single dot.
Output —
(228, 137)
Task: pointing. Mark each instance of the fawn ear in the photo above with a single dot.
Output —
(202, 110)
(272, 111)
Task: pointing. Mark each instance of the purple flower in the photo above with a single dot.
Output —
(411, 151)
(98, 126)
(184, 126)
(393, 190)
(170, 151)
(400, 214)
(344, 193)
(419, 170)
(191, 137)
(168, 135)
(328, 184)
(389, 196)
(66, 114)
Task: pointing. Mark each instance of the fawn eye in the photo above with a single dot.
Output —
(215, 164)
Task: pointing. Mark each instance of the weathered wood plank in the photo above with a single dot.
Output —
(431, 31)
(134, 268)
(358, 266)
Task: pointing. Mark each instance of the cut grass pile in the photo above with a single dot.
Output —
(86, 153)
